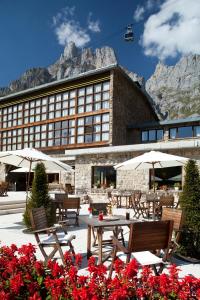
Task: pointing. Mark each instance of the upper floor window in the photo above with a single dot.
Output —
(152, 135)
(181, 132)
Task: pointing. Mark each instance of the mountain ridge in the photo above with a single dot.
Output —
(174, 91)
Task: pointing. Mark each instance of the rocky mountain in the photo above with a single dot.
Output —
(71, 63)
(175, 90)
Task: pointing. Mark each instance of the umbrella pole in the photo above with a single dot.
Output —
(154, 188)
(28, 183)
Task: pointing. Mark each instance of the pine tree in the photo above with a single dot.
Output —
(190, 203)
(39, 195)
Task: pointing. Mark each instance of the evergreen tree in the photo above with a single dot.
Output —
(190, 203)
(39, 195)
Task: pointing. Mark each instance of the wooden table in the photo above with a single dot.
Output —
(93, 223)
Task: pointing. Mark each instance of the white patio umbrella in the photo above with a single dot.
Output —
(152, 160)
(28, 158)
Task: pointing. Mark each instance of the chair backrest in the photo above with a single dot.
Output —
(71, 203)
(173, 214)
(150, 236)
(38, 218)
(167, 200)
(61, 197)
(97, 207)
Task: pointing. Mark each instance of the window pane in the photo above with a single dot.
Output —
(152, 135)
(97, 97)
(144, 136)
(89, 90)
(97, 106)
(88, 138)
(80, 130)
(89, 99)
(80, 109)
(160, 134)
(106, 85)
(97, 128)
(81, 92)
(72, 140)
(88, 120)
(97, 119)
(105, 118)
(197, 131)
(72, 111)
(105, 127)
(80, 122)
(106, 96)
(73, 94)
(184, 132)
(172, 133)
(81, 100)
(97, 137)
(65, 96)
(80, 139)
(88, 108)
(105, 136)
(105, 104)
(97, 88)
(71, 123)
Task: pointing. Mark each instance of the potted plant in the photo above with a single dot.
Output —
(190, 203)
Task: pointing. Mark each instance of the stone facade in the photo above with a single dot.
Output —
(129, 103)
(126, 180)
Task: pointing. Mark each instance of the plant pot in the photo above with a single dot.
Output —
(187, 259)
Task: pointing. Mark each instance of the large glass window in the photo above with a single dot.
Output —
(152, 135)
(103, 176)
(93, 129)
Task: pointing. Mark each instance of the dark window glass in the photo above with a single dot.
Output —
(88, 120)
(172, 133)
(144, 136)
(103, 176)
(184, 132)
(152, 135)
(197, 131)
(88, 138)
(160, 134)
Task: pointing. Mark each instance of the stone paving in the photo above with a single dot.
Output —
(11, 231)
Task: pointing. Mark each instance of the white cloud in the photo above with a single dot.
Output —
(70, 31)
(67, 29)
(94, 26)
(173, 30)
(139, 13)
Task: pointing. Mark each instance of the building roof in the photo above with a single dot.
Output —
(181, 144)
(165, 122)
(57, 82)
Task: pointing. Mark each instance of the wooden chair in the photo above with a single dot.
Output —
(49, 237)
(145, 238)
(139, 207)
(69, 208)
(165, 201)
(178, 219)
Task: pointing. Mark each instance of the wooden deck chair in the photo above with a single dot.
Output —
(139, 206)
(145, 238)
(178, 218)
(165, 201)
(70, 209)
(53, 237)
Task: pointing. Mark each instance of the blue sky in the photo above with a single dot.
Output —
(34, 32)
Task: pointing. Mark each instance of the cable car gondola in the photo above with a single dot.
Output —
(128, 36)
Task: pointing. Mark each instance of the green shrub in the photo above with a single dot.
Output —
(190, 203)
(39, 195)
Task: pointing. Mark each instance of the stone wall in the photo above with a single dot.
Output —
(136, 179)
(129, 104)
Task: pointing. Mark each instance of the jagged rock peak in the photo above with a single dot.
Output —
(176, 89)
(70, 51)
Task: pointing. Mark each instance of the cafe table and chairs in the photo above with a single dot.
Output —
(98, 224)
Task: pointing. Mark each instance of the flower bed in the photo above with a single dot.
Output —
(22, 276)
